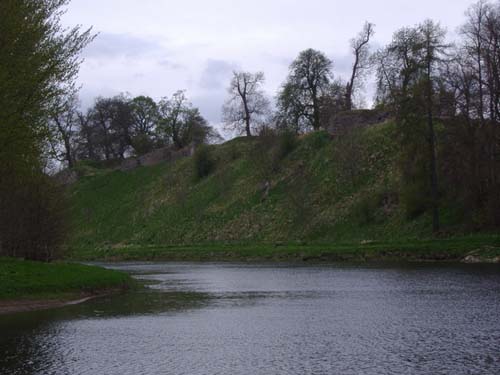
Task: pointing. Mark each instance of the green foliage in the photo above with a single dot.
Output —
(288, 142)
(142, 144)
(38, 64)
(455, 249)
(415, 195)
(317, 140)
(204, 162)
(299, 99)
(36, 226)
(181, 124)
(374, 205)
(366, 209)
(305, 198)
(414, 166)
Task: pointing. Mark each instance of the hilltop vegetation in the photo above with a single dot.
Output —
(314, 189)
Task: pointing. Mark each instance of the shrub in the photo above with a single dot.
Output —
(272, 147)
(33, 222)
(287, 143)
(204, 162)
(317, 140)
(374, 206)
(415, 188)
(142, 144)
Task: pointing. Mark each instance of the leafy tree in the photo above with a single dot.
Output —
(473, 80)
(145, 115)
(111, 123)
(180, 124)
(172, 114)
(333, 102)
(434, 51)
(409, 74)
(39, 60)
(299, 101)
(144, 122)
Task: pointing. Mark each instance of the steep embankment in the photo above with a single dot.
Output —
(316, 190)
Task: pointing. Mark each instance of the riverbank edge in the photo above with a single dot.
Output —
(28, 285)
(39, 304)
(483, 250)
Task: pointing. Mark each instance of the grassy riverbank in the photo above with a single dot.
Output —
(320, 198)
(62, 281)
(471, 249)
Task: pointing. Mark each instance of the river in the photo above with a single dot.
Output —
(234, 319)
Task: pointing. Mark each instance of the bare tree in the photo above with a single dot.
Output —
(247, 105)
(88, 147)
(361, 49)
(64, 128)
(472, 32)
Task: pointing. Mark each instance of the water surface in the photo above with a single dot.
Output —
(270, 319)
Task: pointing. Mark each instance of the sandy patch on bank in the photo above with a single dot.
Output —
(15, 306)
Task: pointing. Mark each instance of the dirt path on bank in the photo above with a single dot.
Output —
(16, 306)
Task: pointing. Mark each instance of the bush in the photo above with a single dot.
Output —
(204, 162)
(317, 140)
(365, 210)
(272, 147)
(374, 206)
(142, 144)
(287, 143)
(33, 221)
(415, 188)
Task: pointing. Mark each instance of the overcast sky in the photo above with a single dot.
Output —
(155, 47)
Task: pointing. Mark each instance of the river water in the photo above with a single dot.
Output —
(270, 319)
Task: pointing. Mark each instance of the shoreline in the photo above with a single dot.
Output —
(28, 285)
(454, 250)
(14, 306)
(19, 306)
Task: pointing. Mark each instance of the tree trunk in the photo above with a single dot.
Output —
(350, 85)
(248, 130)
(316, 116)
(432, 151)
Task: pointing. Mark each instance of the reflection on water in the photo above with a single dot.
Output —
(270, 319)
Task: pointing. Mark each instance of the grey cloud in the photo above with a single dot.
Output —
(216, 74)
(342, 64)
(285, 61)
(169, 64)
(109, 46)
(210, 105)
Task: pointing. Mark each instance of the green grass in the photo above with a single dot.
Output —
(34, 280)
(338, 192)
(486, 248)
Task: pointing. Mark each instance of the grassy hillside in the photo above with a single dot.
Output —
(319, 191)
